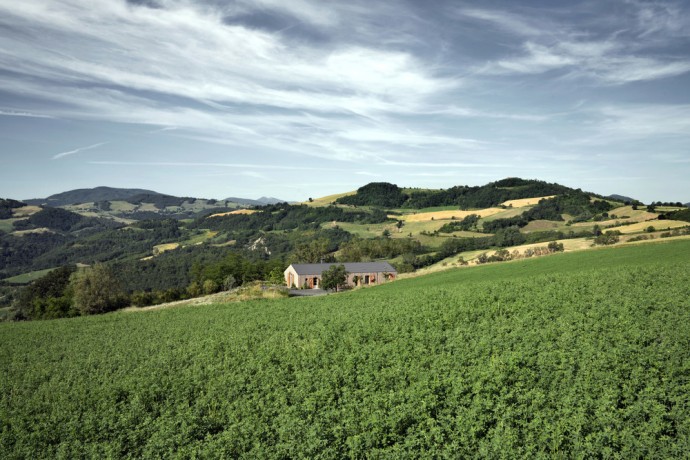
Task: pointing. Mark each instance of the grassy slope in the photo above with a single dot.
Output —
(26, 278)
(575, 355)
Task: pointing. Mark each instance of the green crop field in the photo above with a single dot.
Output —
(6, 225)
(26, 278)
(576, 355)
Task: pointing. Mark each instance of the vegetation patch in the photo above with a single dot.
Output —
(441, 215)
(161, 248)
(575, 355)
(521, 203)
(327, 200)
(236, 212)
(26, 278)
(658, 225)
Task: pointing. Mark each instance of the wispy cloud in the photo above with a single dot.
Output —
(80, 149)
(254, 175)
(184, 66)
(189, 164)
(21, 113)
(612, 56)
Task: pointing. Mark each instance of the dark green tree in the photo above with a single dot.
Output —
(333, 277)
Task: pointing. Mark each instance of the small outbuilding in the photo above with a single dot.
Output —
(358, 274)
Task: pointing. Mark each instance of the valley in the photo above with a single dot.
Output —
(161, 248)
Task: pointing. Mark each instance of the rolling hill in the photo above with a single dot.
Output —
(89, 195)
(171, 247)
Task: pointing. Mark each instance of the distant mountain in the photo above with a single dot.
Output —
(260, 202)
(88, 195)
(622, 198)
(270, 200)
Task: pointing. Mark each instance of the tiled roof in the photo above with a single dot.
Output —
(353, 267)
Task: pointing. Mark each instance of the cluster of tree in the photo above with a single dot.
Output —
(576, 203)
(364, 250)
(284, 216)
(466, 224)
(20, 254)
(6, 207)
(29, 252)
(334, 277)
(465, 197)
(501, 239)
(667, 203)
(503, 255)
(381, 194)
(232, 271)
(676, 232)
(68, 291)
(159, 200)
(607, 238)
(58, 219)
(681, 214)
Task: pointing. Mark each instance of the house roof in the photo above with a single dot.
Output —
(352, 267)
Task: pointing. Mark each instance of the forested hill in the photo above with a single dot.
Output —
(389, 195)
(89, 195)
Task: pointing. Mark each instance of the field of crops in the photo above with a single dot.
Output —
(573, 355)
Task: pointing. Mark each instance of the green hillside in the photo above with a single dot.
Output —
(573, 355)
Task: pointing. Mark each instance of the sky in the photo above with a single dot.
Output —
(306, 98)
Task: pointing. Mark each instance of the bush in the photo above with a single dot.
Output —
(605, 239)
(555, 246)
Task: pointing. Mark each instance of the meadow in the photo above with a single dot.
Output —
(583, 355)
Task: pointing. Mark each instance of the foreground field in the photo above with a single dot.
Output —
(573, 355)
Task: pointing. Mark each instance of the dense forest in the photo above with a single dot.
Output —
(576, 204)
(465, 197)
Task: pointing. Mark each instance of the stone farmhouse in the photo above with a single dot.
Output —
(358, 274)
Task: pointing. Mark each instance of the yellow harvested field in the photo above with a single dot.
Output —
(122, 206)
(540, 225)
(440, 215)
(34, 230)
(161, 248)
(25, 211)
(326, 200)
(659, 225)
(521, 203)
(147, 207)
(236, 211)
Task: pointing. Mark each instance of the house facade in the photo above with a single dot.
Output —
(358, 274)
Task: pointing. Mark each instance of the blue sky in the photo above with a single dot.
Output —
(300, 98)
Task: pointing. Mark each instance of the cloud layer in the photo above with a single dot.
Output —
(387, 84)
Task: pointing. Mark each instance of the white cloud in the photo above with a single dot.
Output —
(505, 20)
(613, 57)
(80, 149)
(183, 68)
(22, 113)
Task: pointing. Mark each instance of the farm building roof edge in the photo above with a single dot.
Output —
(350, 267)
